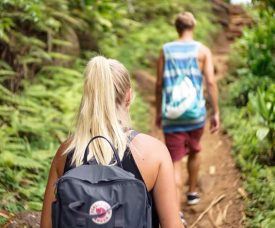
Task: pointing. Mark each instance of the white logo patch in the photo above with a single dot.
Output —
(100, 207)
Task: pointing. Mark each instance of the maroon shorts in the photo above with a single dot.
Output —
(181, 143)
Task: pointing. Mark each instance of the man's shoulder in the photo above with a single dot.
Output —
(203, 46)
(204, 50)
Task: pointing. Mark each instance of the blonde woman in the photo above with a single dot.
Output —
(104, 111)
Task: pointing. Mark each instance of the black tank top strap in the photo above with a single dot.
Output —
(128, 161)
(68, 163)
(132, 135)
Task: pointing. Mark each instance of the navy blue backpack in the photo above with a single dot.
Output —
(98, 196)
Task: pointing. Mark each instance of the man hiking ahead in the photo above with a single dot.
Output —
(182, 66)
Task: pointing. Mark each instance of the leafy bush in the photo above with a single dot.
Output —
(151, 27)
(31, 33)
(255, 51)
(248, 116)
(33, 123)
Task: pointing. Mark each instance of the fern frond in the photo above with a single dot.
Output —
(63, 43)
(61, 70)
(5, 91)
(27, 40)
(40, 53)
(6, 74)
(58, 55)
(5, 65)
(10, 159)
(29, 59)
(67, 18)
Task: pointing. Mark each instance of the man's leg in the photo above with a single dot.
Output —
(178, 180)
(175, 143)
(193, 166)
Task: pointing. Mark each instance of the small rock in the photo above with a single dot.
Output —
(212, 170)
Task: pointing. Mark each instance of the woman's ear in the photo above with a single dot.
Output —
(128, 98)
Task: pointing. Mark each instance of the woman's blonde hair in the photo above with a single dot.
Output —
(101, 113)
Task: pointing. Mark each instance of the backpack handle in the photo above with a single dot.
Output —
(85, 159)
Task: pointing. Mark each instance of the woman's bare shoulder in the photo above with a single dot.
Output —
(150, 146)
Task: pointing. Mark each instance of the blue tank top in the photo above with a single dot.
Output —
(185, 56)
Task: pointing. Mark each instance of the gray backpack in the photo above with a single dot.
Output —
(93, 195)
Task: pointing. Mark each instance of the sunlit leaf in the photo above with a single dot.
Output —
(262, 133)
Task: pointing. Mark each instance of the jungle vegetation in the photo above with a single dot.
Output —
(44, 47)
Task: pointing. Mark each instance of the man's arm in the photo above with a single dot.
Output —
(208, 71)
(159, 88)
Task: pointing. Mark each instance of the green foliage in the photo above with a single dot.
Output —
(261, 45)
(29, 34)
(139, 113)
(265, 4)
(249, 117)
(255, 52)
(262, 104)
(33, 123)
(149, 28)
(41, 76)
(130, 51)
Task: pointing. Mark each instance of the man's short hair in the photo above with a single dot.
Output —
(185, 21)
